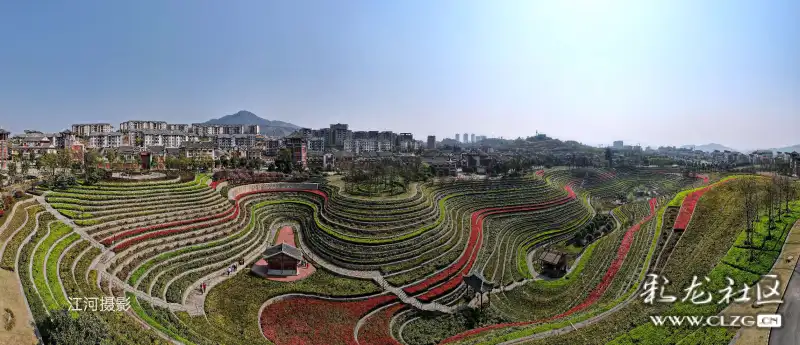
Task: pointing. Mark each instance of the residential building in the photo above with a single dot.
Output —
(406, 143)
(83, 129)
(209, 130)
(619, 144)
(178, 127)
(33, 144)
(102, 140)
(472, 138)
(324, 133)
(198, 149)
(316, 144)
(252, 129)
(339, 133)
(139, 125)
(431, 142)
(387, 140)
(166, 138)
(442, 166)
(272, 146)
(316, 160)
(296, 143)
(458, 137)
(466, 138)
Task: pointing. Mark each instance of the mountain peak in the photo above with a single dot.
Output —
(244, 117)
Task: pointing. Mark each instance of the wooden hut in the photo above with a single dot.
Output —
(554, 263)
(282, 260)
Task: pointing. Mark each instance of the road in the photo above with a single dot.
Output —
(789, 334)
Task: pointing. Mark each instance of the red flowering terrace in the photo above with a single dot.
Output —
(311, 321)
(593, 297)
(690, 203)
(375, 329)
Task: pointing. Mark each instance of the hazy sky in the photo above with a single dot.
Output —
(654, 72)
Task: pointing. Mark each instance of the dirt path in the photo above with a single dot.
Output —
(12, 299)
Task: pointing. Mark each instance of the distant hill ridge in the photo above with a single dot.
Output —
(795, 148)
(267, 127)
(710, 147)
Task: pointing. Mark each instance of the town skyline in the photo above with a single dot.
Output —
(457, 136)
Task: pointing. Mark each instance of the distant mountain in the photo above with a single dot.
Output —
(795, 148)
(267, 127)
(709, 147)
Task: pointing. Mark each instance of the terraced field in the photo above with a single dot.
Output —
(389, 271)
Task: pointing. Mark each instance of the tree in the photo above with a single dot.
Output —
(788, 192)
(64, 158)
(769, 203)
(12, 172)
(91, 174)
(25, 166)
(112, 156)
(61, 328)
(49, 161)
(748, 190)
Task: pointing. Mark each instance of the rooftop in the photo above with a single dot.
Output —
(283, 248)
(551, 257)
(478, 282)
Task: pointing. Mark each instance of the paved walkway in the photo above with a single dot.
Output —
(65, 220)
(116, 282)
(790, 309)
(13, 211)
(195, 300)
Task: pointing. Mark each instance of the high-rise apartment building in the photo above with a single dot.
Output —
(466, 138)
(431, 142)
(339, 133)
(84, 129)
(458, 137)
(472, 138)
(139, 125)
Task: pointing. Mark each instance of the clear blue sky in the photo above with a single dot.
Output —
(654, 72)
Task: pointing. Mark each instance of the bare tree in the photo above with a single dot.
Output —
(748, 190)
(789, 192)
(768, 200)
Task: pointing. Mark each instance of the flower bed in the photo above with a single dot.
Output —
(308, 320)
(690, 203)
